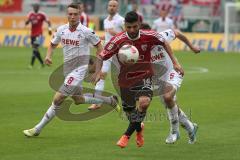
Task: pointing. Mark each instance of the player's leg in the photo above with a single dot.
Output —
(129, 107)
(175, 80)
(168, 99)
(189, 126)
(36, 51)
(73, 85)
(48, 116)
(135, 115)
(185, 122)
(100, 84)
(33, 55)
(144, 97)
(172, 111)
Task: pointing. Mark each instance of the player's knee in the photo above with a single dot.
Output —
(168, 98)
(78, 100)
(58, 99)
(144, 102)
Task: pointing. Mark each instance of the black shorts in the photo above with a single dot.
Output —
(35, 40)
(129, 96)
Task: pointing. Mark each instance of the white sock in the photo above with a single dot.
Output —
(96, 99)
(49, 115)
(173, 118)
(185, 122)
(99, 86)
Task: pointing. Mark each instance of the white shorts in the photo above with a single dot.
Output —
(173, 78)
(106, 66)
(73, 81)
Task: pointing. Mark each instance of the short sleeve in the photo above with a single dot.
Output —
(92, 37)
(110, 49)
(169, 35)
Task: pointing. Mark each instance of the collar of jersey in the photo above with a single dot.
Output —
(77, 28)
(113, 16)
(134, 39)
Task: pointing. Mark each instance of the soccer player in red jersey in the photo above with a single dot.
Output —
(135, 80)
(36, 18)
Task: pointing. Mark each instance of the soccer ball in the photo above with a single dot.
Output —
(128, 54)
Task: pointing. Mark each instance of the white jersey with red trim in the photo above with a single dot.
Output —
(116, 23)
(75, 42)
(159, 54)
(160, 25)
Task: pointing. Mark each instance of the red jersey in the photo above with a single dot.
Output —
(84, 19)
(132, 74)
(36, 19)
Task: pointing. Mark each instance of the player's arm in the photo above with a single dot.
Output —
(27, 22)
(99, 60)
(175, 62)
(48, 58)
(54, 43)
(184, 39)
(49, 26)
(28, 19)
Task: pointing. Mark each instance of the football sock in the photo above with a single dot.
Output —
(174, 119)
(130, 129)
(184, 121)
(92, 100)
(33, 59)
(96, 99)
(49, 115)
(37, 54)
(138, 126)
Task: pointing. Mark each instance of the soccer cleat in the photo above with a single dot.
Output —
(94, 107)
(193, 135)
(172, 138)
(31, 132)
(123, 141)
(139, 136)
(114, 103)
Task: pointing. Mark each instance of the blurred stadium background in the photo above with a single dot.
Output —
(209, 94)
(204, 17)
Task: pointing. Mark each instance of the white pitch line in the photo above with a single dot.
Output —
(194, 70)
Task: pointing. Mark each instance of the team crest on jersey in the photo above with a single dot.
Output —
(144, 47)
(62, 33)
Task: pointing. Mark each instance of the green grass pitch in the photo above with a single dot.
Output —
(209, 93)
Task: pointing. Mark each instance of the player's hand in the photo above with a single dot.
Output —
(196, 49)
(178, 68)
(48, 61)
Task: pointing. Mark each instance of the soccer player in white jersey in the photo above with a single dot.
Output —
(113, 25)
(163, 22)
(75, 39)
(175, 114)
